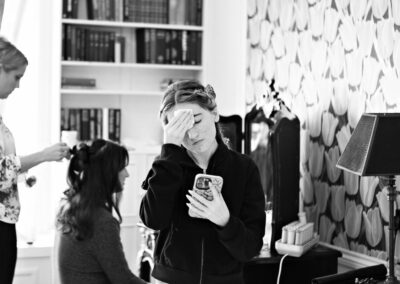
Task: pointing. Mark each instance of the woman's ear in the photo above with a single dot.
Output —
(164, 119)
(215, 114)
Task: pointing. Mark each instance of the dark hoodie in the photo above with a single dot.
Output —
(192, 250)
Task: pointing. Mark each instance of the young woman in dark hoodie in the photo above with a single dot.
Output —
(227, 231)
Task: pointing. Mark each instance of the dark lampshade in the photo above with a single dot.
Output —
(374, 150)
(374, 146)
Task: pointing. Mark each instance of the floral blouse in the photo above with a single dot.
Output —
(10, 167)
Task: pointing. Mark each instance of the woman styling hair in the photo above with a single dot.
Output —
(12, 68)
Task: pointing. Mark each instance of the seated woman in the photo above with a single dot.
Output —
(90, 249)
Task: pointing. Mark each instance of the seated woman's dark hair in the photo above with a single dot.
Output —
(93, 179)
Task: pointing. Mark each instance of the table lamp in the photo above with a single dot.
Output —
(374, 150)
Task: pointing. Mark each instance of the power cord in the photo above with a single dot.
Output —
(280, 268)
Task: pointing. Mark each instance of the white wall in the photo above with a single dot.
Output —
(225, 53)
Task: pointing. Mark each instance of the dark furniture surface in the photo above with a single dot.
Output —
(231, 128)
(318, 261)
(376, 272)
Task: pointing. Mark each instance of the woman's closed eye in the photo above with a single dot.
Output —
(197, 118)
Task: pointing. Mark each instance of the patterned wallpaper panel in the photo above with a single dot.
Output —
(331, 61)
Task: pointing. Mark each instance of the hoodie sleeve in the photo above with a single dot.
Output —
(163, 182)
(243, 235)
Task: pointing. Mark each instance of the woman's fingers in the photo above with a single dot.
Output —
(215, 193)
(215, 210)
(199, 198)
(195, 211)
(176, 129)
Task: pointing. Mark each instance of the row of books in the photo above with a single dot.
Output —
(177, 12)
(93, 123)
(168, 46)
(89, 44)
(146, 11)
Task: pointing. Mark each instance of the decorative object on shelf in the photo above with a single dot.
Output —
(71, 82)
(373, 150)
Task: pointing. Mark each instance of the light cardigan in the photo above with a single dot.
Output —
(10, 167)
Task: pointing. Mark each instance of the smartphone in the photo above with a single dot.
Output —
(202, 185)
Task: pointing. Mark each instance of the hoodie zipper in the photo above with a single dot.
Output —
(202, 251)
(202, 261)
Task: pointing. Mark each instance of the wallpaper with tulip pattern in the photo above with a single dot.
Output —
(331, 61)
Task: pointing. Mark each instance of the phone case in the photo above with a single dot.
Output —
(202, 183)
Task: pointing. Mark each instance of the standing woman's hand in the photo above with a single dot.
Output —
(175, 129)
(215, 210)
(56, 152)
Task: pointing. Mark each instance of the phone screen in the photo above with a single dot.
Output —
(202, 185)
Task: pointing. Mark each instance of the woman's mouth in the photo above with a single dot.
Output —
(197, 142)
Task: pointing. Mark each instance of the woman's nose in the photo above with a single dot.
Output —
(192, 133)
(126, 173)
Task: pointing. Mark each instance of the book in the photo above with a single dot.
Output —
(111, 124)
(99, 123)
(160, 47)
(143, 51)
(119, 48)
(85, 125)
(176, 13)
(92, 124)
(174, 47)
(117, 127)
(105, 123)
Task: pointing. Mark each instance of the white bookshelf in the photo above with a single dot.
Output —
(116, 92)
(129, 25)
(132, 65)
(128, 82)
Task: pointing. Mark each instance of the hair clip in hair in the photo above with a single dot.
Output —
(209, 91)
(70, 192)
(73, 150)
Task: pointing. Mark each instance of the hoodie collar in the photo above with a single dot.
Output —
(217, 158)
